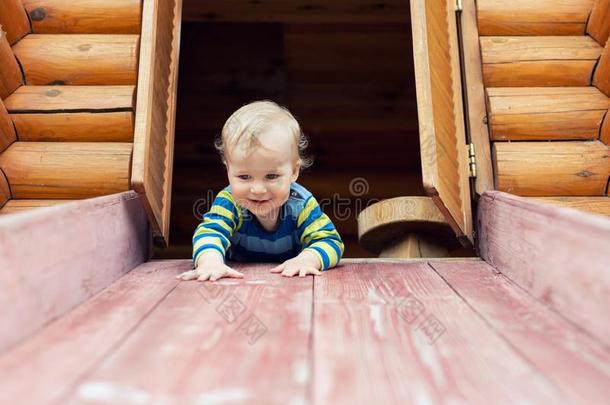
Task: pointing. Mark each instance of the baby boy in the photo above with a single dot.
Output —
(263, 215)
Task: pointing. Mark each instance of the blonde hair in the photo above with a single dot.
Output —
(249, 121)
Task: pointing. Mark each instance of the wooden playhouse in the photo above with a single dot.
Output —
(468, 142)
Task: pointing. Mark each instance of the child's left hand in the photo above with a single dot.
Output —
(305, 263)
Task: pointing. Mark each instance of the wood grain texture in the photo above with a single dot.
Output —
(75, 127)
(440, 112)
(68, 265)
(93, 329)
(5, 191)
(15, 206)
(561, 168)
(14, 20)
(477, 113)
(519, 237)
(161, 22)
(601, 76)
(598, 25)
(538, 61)
(604, 134)
(524, 17)
(378, 338)
(414, 245)
(539, 113)
(66, 170)
(84, 16)
(10, 74)
(298, 12)
(527, 325)
(196, 329)
(592, 205)
(32, 99)
(75, 59)
(7, 130)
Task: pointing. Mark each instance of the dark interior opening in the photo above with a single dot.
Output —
(350, 85)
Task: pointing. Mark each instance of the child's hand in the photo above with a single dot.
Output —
(305, 263)
(210, 268)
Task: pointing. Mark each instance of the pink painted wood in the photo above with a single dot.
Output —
(203, 344)
(44, 368)
(558, 255)
(569, 357)
(372, 347)
(52, 259)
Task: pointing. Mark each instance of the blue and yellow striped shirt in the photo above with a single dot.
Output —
(237, 235)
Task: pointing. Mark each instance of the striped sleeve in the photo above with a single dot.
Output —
(318, 234)
(217, 226)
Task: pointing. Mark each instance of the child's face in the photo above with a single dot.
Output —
(260, 178)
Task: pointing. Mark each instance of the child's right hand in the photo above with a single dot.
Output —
(210, 267)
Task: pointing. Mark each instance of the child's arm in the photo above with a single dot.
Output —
(212, 239)
(323, 246)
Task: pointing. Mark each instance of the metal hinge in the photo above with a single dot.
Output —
(472, 162)
(458, 5)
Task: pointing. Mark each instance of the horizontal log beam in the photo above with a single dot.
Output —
(48, 99)
(48, 170)
(552, 168)
(592, 205)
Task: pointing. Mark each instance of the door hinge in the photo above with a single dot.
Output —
(472, 162)
(458, 5)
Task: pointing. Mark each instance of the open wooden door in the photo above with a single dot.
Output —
(440, 112)
(153, 148)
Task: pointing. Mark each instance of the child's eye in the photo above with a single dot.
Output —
(272, 176)
(244, 176)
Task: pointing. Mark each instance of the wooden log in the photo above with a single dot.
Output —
(558, 256)
(524, 17)
(10, 73)
(599, 23)
(67, 253)
(85, 59)
(552, 168)
(14, 20)
(66, 170)
(15, 206)
(7, 130)
(604, 134)
(538, 61)
(75, 127)
(592, 205)
(542, 113)
(32, 99)
(601, 76)
(84, 17)
(5, 191)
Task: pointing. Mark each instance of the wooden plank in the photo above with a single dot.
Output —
(10, 74)
(78, 59)
(388, 333)
(75, 127)
(83, 337)
(561, 168)
(598, 25)
(298, 12)
(601, 77)
(15, 206)
(442, 137)
(538, 61)
(517, 236)
(592, 205)
(523, 17)
(84, 17)
(540, 113)
(66, 170)
(42, 277)
(202, 331)
(70, 98)
(577, 364)
(477, 113)
(5, 191)
(14, 20)
(7, 130)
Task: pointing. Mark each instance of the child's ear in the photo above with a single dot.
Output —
(296, 169)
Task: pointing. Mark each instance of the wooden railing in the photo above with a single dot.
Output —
(155, 110)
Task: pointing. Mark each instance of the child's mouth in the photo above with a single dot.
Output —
(258, 202)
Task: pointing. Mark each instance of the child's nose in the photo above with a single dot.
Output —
(258, 188)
